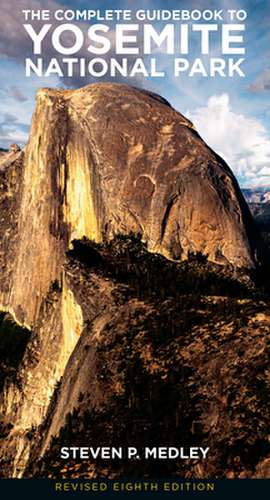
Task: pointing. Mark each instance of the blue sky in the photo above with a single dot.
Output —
(231, 114)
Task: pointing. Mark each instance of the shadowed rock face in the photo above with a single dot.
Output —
(160, 363)
(101, 161)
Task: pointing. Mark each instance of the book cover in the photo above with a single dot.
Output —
(134, 246)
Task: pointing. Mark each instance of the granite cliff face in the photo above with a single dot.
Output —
(129, 162)
(102, 162)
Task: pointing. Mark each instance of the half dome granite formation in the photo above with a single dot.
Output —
(101, 161)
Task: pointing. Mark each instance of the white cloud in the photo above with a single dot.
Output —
(241, 140)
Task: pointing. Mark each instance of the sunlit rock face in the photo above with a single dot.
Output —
(149, 172)
(108, 159)
(103, 160)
